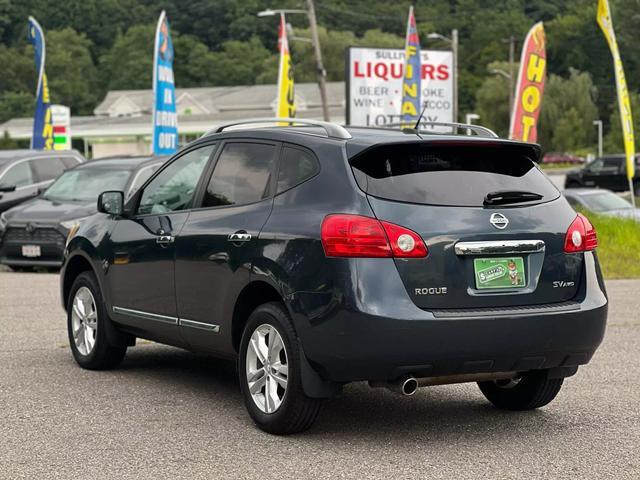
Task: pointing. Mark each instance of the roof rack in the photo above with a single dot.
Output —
(479, 130)
(333, 130)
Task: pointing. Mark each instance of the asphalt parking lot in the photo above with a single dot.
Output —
(168, 413)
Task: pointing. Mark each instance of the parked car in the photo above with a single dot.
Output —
(608, 172)
(25, 174)
(33, 234)
(320, 255)
(602, 202)
(555, 158)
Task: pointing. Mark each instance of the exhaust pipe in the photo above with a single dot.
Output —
(406, 385)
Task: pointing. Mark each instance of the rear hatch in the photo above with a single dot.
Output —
(493, 223)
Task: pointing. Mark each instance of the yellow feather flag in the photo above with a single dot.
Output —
(286, 107)
(606, 24)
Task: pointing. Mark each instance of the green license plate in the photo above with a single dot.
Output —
(499, 272)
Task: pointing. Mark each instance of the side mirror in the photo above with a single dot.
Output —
(111, 202)
(7, 188)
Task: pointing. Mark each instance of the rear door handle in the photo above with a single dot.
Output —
(165, 239)
(239, 237)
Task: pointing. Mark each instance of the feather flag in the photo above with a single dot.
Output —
(42, 137)
(411, 83)
(286, 107)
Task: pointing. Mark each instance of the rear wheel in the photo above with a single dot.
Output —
(269, 371)
(531, 391)
(86, 320)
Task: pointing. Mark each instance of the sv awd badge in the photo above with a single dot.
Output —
(431, 291)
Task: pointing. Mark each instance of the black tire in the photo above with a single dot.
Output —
(534, 390)
(103, 355)
(572, 184)
(297, 412)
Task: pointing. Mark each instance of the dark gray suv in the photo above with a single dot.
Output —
(319, 255)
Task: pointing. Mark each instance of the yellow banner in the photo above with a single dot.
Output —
(286, 107)
(606, 24)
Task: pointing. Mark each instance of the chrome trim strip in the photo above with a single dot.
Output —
(499, 246)
(210, 327)
(145, 315)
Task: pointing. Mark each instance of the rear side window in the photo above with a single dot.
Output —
(296, 166)
(242, 175)
(455, 175)
(48, 168)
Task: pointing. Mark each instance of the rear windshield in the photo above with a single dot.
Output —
(449, 174)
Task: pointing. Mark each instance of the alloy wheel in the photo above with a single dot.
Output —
(84, 321)
(267, 368)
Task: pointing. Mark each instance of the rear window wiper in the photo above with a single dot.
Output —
(503, 197)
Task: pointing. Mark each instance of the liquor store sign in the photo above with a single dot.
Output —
(374, 85)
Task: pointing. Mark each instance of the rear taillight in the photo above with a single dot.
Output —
(359, 236)
(581, 236)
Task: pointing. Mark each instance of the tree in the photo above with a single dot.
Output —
(568, 112)
(492, 100)
(70, 70)
(16, 105)
(129, 63)
(614, 142)
(243, 63)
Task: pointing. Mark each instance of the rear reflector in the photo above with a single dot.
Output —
(581, 236)
(360, 236)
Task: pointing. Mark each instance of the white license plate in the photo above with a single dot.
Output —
(31, 251)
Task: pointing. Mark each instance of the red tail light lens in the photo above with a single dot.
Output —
(581, 236)
(359, 236)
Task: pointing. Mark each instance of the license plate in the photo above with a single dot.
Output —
(499, 272)
(31, 251)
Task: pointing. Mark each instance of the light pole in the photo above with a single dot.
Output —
(598, 123)
(502, 73)
(454, 53)
(469, 118)
(310, 12)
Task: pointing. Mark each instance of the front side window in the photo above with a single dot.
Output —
(242, 175)
(173, 189)
(85, 184)
(17, 176)
(140, 177)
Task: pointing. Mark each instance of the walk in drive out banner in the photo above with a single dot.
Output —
(165, 119)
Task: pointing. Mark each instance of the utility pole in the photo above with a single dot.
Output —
(454, 49)
(322, 73)
(512, 76)
(598, 123)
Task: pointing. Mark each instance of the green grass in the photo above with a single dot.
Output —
(618, 246)
(560, 166)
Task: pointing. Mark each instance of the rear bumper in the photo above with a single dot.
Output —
(365, 341)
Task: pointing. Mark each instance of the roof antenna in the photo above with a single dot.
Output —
(420, 117)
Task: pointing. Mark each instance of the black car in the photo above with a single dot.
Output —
(608, 172)
(601, 202)
(321, 255)
(33, 234)
(25, 174)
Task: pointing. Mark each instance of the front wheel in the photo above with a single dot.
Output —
(528, 392)
(270, 373)
(86, 322)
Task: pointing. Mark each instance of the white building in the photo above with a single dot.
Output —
(121, 124)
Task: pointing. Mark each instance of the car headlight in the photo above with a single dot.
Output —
(69, 224)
